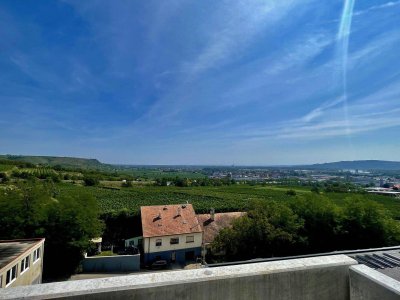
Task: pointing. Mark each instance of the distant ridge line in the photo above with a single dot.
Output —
(55, 160)
(356, 164)
(77, 162)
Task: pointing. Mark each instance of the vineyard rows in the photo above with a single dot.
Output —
(225, 198)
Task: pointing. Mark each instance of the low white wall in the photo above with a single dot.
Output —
(118, 263)
(307, 278)
(369, 284)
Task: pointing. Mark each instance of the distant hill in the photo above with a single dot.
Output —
(74, 162)
(356, 165)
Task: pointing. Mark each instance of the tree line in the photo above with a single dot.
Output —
(306, 225)
(186, 182)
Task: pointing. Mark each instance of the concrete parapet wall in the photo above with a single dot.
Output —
(369, 284)
(306, 278)
(119, 263)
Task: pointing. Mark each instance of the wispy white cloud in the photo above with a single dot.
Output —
(230, 29)
(356, 58)
(317, 112)
(370, 113)
(295, 55)
(235, 30)
(377, 7)
(373, 48)
(300, 52)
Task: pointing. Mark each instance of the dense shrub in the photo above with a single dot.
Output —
(68, 223)
(307, 224)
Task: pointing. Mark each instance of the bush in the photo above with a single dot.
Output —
(291, 193)
(315, 189)
(127, 183)
(90, 181)
(4, 177)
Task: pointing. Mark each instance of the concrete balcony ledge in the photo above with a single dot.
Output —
(305, 278)
(368, 284)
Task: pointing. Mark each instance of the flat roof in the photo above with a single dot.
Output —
(384, 261)
(10, 250)
(346, 252)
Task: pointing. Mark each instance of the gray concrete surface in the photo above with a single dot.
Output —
(369, 284)
(305, 278)
(118, 263)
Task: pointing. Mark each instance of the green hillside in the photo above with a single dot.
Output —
(357, 164)
(73, 162)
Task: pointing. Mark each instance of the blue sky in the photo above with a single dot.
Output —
(200, 82)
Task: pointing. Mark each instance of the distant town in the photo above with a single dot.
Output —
(368, 179)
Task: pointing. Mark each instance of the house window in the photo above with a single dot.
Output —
(24, 264)
(36, 255)
(11, 275)
(174, 241)
(158, 242)
(190, 239)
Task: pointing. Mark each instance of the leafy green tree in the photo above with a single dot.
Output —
(161, 181)
(182, 182)
(315, 189)
(322, 223)
(269, 229)
(367, 224)
(127, 183)
(116, 230)
(90, 181)
(291, 192)
(68, 223)
(22, 210)
(4, 177)
(71, 223)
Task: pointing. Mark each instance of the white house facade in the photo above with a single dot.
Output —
(171, 233)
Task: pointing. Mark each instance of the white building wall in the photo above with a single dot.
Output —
(32, 275)
(135, 241)
(150, 243)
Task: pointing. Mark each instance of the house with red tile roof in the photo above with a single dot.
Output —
(171, 233)
(213, 223)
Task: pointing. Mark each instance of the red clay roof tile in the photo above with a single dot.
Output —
(221, 220)
(161, 220)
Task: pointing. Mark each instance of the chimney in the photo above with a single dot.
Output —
(212, 214)
(179, 211)
(157, 217)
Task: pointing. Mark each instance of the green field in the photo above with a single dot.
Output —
(4, 168)
(223, 198)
